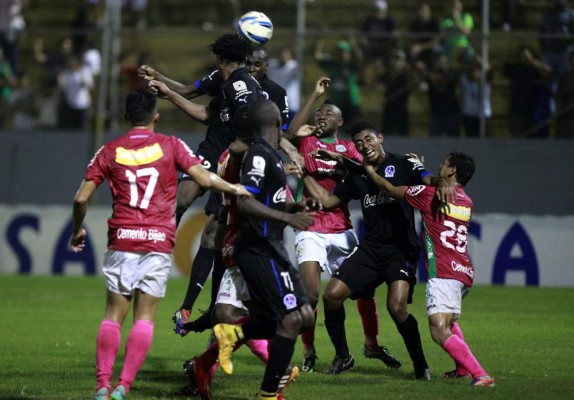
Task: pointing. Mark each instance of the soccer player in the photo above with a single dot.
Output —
(449, 270)
(331, 239)
(233, 300)
(141, 168)
(275, 286)
(389, 252)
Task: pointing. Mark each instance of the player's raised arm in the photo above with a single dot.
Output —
(211, 181)
(300, 119)
(299, 220)
(198, 112)
(149, 73)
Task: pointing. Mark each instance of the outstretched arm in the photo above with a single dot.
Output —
(151, 74)
(327, 199)
(208, 180)
(299, 220)
(397, 192)
(197, 111)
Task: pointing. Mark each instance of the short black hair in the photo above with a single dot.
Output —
(140, 107)
(264, 114)
(260, 48)
(231, 47)
(464, 165)
(360, 126)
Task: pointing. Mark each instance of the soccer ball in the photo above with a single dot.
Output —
(255, 27)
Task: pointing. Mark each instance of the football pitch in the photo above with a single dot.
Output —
(524, 337)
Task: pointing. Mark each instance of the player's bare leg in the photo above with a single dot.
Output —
(311, 277)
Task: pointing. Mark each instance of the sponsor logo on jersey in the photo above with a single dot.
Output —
(462, 268)
(290, 301)
(241, 90)
(280, 196)
(340, 148)
(379, 198)
(415, 190)
(152, 235)
(390, 171)
(257, 166)
(143, 156)
(461, 213)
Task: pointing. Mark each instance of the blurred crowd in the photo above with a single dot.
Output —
(435, 56)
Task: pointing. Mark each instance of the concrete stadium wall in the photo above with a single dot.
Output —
(513, 176)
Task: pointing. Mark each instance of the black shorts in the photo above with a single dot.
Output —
(275, 286)
(366, 269)
(214, 204)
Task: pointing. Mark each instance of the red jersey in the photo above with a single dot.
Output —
(328, 174)
(141, 169)
(445, 231)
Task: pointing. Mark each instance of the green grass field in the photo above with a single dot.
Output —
(522, 336)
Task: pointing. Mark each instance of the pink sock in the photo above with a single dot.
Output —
(369, 317)
(259, 347)
(461, 353)
(137, 345)
(107, 346)
(455, 330)
(308, 337)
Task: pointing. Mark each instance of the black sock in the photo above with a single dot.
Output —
(280, 353)
(264, 329)
(409, 330)
(335, 324)
(200, 270)
(216, 276)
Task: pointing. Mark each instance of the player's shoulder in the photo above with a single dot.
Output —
(269, 85)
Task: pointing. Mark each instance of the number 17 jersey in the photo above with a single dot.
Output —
(141, 169)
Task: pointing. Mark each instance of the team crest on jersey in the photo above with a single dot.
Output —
(143, 156)
(258, 166)
(415, 190)
(390, 171)
(340, 148)
(290, 301)
(300, 250)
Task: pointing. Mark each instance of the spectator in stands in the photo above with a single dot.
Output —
(54, 62)
(83, 25)
(22, 104)
(343, 69)
(7, 82)
(557, 30)
(12, 25)
(455, 31)
(425, 29)
(48, 105)
(525, 77)
(76, 83)
(284, 70)
(395, 82)
(565, 103)
(470, 97)
(442, 83)
(379, 31)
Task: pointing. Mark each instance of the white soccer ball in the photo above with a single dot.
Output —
(255, 27)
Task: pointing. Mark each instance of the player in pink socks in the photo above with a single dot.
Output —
(141, 168)
(450, 272)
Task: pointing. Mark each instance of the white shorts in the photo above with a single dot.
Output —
(126, 271)
(328, 249)
(445, 296)
(233, 289)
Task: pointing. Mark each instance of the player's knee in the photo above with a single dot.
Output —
(439, 335)
(208, 234)
(291, 324)
(331, 299)
(397, 310)
(307, 317)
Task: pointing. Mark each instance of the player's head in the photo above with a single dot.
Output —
(230, 48)
(368, 140)
(141, 108)
(257, 62)
(265, 119)
(458, 165)
(328, 118)
(241, 125)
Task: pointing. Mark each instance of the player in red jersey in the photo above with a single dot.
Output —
(449, 270)
(141, 168)
(331, 239)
